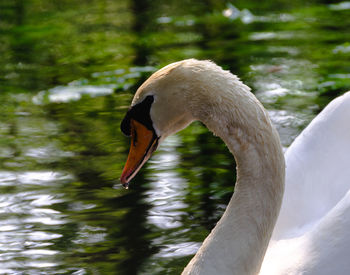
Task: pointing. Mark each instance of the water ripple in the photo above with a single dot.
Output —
(28, 220)
(167, 188)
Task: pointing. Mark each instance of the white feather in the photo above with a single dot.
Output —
(311, 233)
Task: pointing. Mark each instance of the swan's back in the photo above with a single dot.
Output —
(312, 229)
(318, 169)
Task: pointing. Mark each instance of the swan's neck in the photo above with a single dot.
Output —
(238, 243)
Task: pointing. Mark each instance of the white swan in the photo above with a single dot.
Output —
(310, 236)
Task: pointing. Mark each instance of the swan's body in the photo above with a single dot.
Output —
(199, 90)
(312, 232)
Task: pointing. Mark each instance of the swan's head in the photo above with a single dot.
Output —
(172, 98)
(159, 109)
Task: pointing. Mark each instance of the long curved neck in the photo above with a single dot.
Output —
(239, 241)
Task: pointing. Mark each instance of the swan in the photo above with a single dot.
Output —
(310, 236)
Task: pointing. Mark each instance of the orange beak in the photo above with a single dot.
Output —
(143, 143)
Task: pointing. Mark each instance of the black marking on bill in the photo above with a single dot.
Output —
(139, 112)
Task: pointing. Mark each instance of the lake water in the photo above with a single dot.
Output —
(68, 70)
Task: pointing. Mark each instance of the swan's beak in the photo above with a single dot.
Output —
(143, 143)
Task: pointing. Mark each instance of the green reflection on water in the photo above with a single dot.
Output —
(67, 74)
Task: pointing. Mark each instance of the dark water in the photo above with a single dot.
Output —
(68, 70)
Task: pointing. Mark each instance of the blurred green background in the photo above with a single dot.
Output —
(68, 70)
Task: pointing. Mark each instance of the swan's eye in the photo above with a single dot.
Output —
(139, 112)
